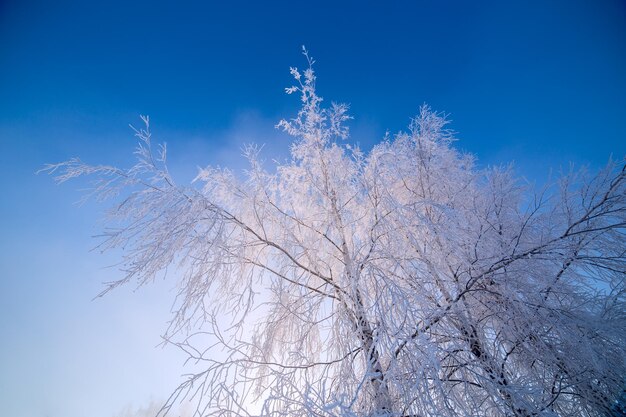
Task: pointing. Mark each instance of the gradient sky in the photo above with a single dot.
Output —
(541, 83)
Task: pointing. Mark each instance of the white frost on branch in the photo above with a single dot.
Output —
(396, 282)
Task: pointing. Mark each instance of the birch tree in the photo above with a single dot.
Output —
(399, 281)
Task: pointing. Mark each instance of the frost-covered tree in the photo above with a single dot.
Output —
(402, 281)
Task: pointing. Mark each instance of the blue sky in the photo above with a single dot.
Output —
(541, 83)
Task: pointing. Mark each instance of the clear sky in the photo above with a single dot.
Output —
(541, 83)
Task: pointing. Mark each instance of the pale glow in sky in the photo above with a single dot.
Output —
(539, 84)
